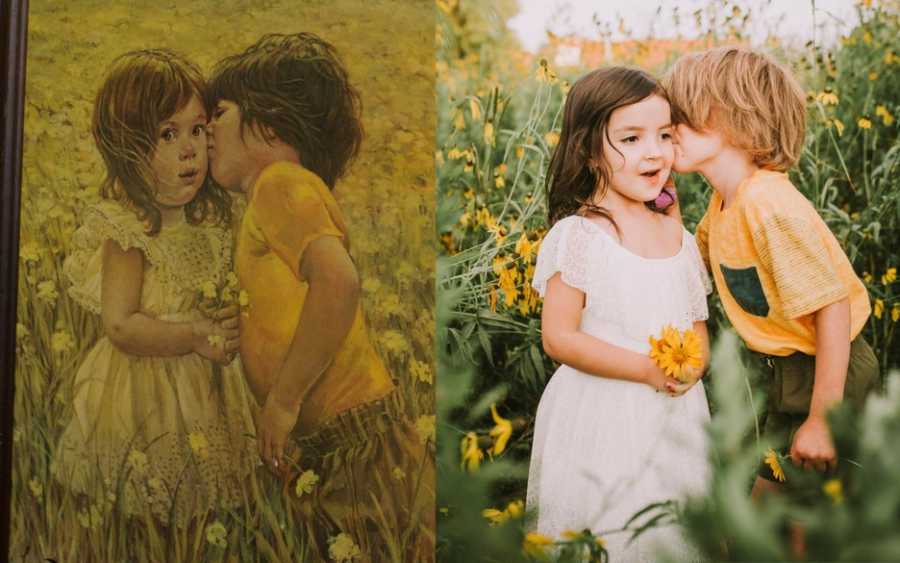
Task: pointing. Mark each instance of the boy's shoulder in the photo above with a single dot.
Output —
(770, 193)
(284, 181)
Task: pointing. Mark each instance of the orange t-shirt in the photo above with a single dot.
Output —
(775, 263)
(290, 207)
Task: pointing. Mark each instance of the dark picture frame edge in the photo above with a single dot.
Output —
(13, 25)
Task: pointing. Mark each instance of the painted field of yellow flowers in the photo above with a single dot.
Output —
(499, 114)
(388, 199)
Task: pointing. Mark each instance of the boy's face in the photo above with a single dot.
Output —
(642, 133)
(694, 149)
(233, 157)
(179, 158)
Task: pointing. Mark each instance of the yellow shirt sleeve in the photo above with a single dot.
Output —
(290, 215)
(791, 249)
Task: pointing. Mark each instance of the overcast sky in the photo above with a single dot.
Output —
(787, 19)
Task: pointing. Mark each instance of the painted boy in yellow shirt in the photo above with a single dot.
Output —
(285, 125)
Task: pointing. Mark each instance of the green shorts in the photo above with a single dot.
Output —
(790, 383)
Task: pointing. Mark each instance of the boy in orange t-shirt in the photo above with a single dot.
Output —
(784, 281)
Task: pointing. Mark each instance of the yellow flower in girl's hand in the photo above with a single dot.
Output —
(678, 354)
(209, 290)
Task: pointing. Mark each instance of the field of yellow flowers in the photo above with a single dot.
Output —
(388, 199)
(499, 114)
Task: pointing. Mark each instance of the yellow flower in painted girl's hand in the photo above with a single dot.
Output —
(209, 290)
(500, 433)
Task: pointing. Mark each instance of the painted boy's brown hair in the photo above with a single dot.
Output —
(141, 90)
(295, 88)
(752, 100)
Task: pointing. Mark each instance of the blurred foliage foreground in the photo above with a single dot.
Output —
(496, 132)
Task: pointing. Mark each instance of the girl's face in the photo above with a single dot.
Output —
(179, 159)
(695, 148)
(638, 148)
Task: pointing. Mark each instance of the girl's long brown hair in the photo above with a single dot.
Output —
(141, 90)
(578, 166)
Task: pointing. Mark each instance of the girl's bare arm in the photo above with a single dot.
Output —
(139, 334)
(565, 343)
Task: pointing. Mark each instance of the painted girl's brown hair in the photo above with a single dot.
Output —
(578, 166)
(295, 88)
(142, 89)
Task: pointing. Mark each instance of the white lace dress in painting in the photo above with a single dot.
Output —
(605, 448)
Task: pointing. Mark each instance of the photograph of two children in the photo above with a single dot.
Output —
(450, 281)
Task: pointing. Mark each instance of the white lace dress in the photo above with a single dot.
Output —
(605, 448)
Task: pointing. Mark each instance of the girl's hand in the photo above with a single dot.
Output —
(216, 341)
(655, 377)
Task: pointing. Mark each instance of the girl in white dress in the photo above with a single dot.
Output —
(613, 432)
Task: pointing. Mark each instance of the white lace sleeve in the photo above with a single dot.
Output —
(563, 250)
(701, 284)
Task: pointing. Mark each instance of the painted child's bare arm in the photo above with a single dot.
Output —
(137, 333)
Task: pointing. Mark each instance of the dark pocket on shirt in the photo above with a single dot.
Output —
(744, 285)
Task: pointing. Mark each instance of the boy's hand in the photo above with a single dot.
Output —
(273, 426)
(812, 447)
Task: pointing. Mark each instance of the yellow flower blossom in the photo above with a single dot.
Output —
(878, 308)
(838, 126)
(520, 151)
(552, 138)
(471, 454)
(306, 482)
(90, 518)
(398, 474)
(137, 460)
(867, 277)
(341, 548)
(475, 109)
(535, 544)
(489, 133)
(501, 432)
(895, 312)
(244, 298)
(216, 340)
(544, 73)
(61, 342)
(421, 372)
(216, 534)
(459, 121)
(771, 459)
(890, 276)
(864, 123)
(873, 76)
(499, 182)
(455, 154)
(886, 117)
(889, 57)
(564, 86)
(827, 97)
(37, 489)
(425, 427)
(208, 289)
(525, 247)
(46, 291)
(680, 355)
(867, 38)
(834, 489)
(199, 444)
(231, 280)
(30, 252)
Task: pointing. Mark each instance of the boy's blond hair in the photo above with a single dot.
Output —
(753, 101)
